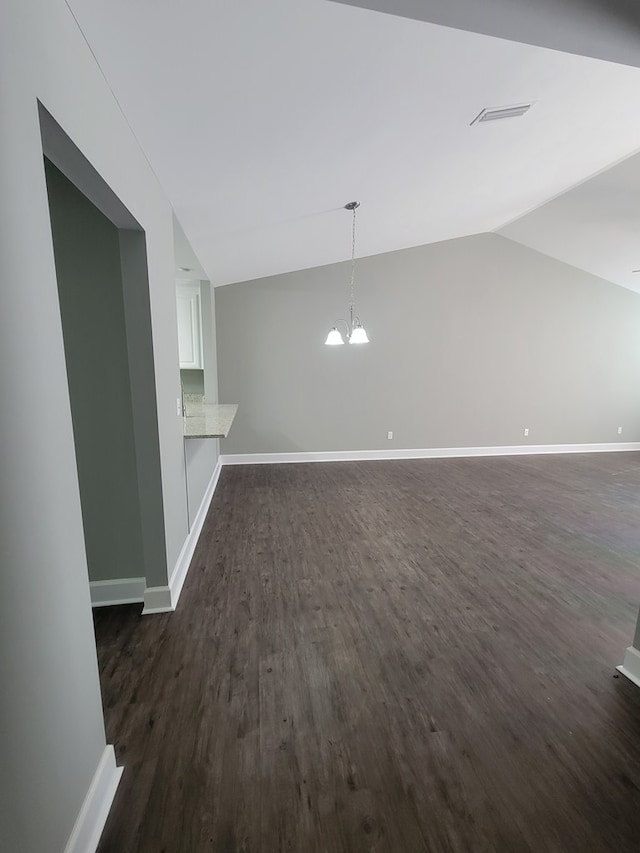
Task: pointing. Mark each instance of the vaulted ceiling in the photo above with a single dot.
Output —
(605, 29)
(262, 119)
(595, 226)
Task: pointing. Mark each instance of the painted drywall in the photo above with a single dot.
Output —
(472, 341)
(605, 29)
(202, 454)
(51, 724)
(87, 255)
(209, 349)
(593, 226)
(144, 403)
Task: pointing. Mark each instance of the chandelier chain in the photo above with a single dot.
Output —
(353, 259)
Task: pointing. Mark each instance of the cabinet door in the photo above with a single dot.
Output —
(189, 329)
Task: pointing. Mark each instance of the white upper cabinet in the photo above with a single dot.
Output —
(189, 325)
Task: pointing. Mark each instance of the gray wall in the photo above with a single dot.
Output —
(87, 255)
(192, 381)
(472, 340)
(144, 402)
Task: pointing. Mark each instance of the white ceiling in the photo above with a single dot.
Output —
(188, 267)
(262, 119)
(606, 29)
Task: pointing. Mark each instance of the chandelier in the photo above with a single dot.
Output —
(355, 331)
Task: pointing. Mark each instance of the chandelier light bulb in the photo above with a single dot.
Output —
(334, 338)
(358, 335)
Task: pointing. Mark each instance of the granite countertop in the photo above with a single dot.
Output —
(207, 420)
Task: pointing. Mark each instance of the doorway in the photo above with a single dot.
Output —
(103, 289)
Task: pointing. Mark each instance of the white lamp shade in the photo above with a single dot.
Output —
(358, 336)
(334, 338)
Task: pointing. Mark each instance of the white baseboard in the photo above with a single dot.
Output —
(120, 591)
(631, 665)
(92, 817)
(157, 599)
(164, 599)
(424, 453)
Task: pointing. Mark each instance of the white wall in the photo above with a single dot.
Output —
(202, 454)
(209, 349)
(50, 711)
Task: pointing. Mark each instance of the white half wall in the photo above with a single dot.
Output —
(164, 599)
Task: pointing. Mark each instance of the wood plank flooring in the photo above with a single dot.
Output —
(389, 656)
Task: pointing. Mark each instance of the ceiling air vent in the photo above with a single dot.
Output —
(502, 112)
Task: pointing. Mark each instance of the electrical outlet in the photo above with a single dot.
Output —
(526, 431)
(619, 430)
(178, 407)
(390, 435)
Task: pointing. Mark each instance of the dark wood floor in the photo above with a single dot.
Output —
(389, 656)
